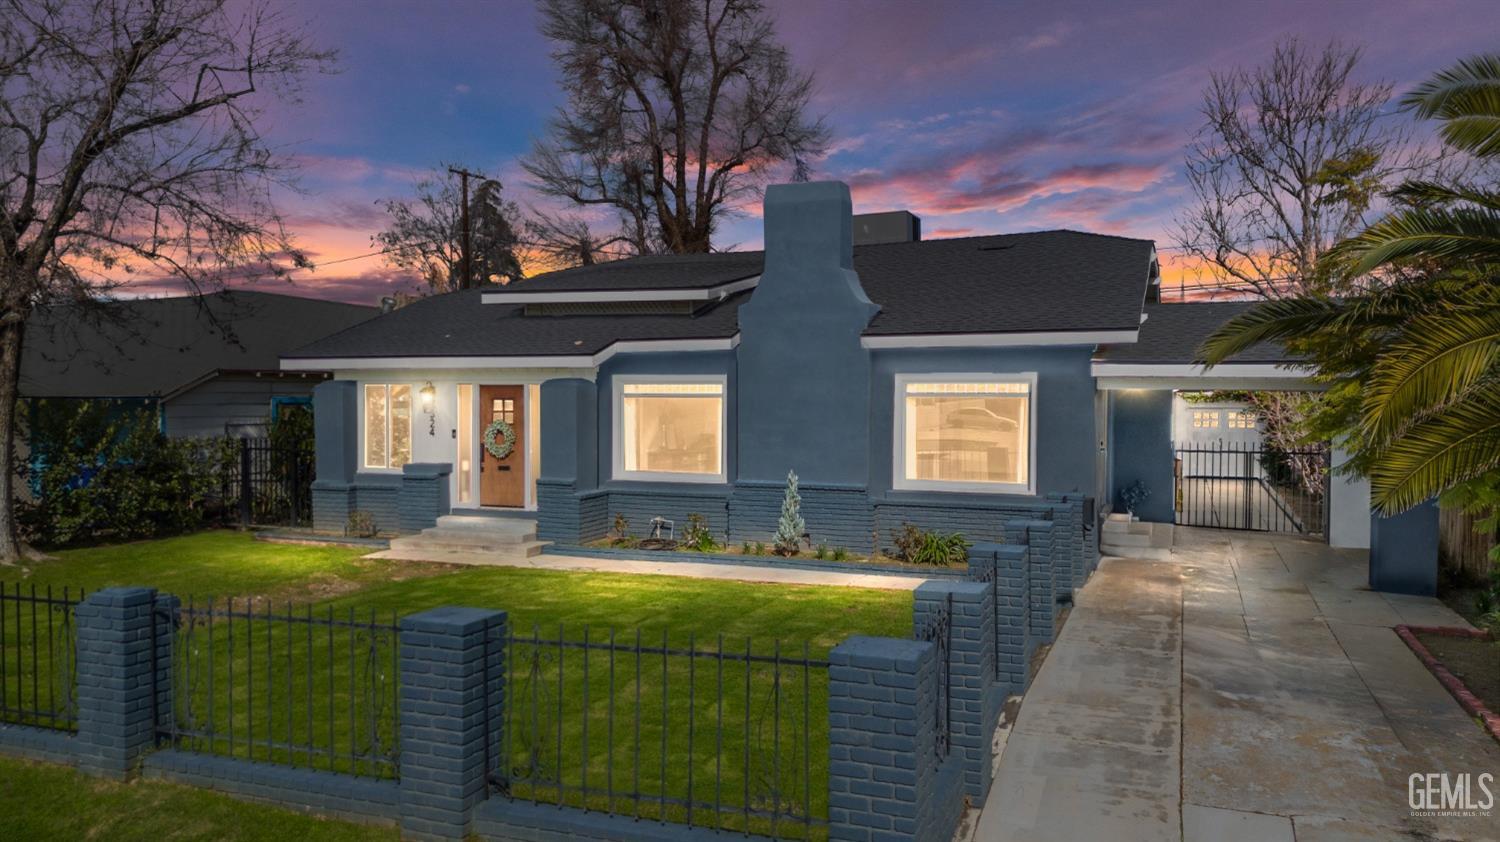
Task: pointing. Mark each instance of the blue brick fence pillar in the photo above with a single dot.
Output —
(452, 707)
(1012, 608)
(122, 634)
(973, 707)
(882, 739)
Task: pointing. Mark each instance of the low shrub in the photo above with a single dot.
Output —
(361, 524)
(103, 470)
(696, 535)
(917, 546)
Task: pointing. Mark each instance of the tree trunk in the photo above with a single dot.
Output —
(12, 326)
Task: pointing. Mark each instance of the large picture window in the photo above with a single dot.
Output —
(964, 433)
(670, 429)
(387, 425)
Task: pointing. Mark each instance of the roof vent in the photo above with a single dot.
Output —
(889, 227)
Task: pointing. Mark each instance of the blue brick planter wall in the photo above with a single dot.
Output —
(836, 515)
(382, 499)
(331, 503)
(639, 507)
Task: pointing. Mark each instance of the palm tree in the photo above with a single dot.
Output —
(1412, 365)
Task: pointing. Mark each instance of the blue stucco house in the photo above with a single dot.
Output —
(949, 383)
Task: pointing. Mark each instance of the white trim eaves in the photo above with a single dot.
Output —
(1267, 370)
(1115, 376)
(715, 293)
(574, 361)
(1000, 340)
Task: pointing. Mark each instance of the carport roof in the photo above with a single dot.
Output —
(1172, 334)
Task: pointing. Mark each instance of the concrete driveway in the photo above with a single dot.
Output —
(1249, 688)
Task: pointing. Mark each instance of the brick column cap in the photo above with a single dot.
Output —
(452, 619)
(129, 595)
(962, 591)
(884, 653)
(426, 470)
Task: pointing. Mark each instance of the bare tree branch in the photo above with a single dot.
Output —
(1291, 157)
(677, 111)
(128, 144)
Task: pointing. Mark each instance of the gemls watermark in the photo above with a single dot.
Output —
(1441, 794)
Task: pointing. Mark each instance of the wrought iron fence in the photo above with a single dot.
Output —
(267, 483)
(302, 687)
(1236, 485)
(938, 628)
(725, 737)
(38, 661)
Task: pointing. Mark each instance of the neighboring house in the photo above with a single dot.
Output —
(944, 383)
(208, 366)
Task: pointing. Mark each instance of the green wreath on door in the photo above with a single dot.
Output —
(499, 439)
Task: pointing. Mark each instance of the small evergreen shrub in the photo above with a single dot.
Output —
(790, 527)
(840, 554)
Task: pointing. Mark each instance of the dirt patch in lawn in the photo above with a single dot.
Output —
(1473, 660)
(321, 587)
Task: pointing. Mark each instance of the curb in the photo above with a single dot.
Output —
(1466, 698)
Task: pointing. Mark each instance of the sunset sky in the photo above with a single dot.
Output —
(981, 117)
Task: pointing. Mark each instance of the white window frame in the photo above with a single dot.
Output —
(618, 383)
(364, 427)
(898, 439)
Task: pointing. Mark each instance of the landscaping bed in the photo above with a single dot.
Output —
(1467, 662)
(802, 561)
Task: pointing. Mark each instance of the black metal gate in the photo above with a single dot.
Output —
(269, 484)
(1235, 485)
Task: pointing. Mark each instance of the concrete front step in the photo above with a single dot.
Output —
(462, 534)
(1151, 553)
(486, 523)
(476, 559)
(1122, 527)
(416, 548)
(1126, 539)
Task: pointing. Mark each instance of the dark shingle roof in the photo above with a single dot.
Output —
(1046, 281)
(1173, 332)
(457, 324)
(152, 346)
(661, 271)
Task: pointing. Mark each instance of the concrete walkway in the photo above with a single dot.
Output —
(1249, 688)
(694, 570)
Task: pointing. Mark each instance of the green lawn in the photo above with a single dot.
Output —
(43, 801)
(327, 699)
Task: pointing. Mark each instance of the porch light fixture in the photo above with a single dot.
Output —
(429, 406)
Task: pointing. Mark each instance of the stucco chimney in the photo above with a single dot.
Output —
(803, 376)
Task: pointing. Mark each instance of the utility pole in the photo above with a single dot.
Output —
(467, 259)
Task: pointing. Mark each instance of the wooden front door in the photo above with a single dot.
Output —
(502, 482)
